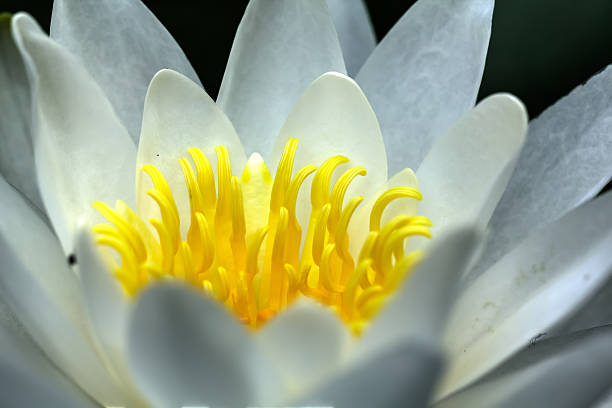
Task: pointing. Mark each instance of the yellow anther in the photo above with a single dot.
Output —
(205, 177)
(385, 199)
(244, 243)
(338, 191)
(319, 195)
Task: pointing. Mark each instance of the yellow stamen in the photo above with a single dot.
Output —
(256, 264)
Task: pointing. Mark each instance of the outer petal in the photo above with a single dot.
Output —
(402, 376)
(355, 32)
(569, 371)
(333, 117)
(465, 173)
(425, 74)
(122, 45)
(305, 344)
(16, 154)
(30, 380)
(82, 151)
(39, 288)
(185, 350)
(529, 291)
(419, 310)
(566, 161)
(179, 115)
(279, 49)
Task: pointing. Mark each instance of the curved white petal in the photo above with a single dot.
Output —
(103, 296)
(425, 74)
(82, 151)
(403, 376)
(16, 153)
(333, 117)
(464, 175)
(42, 291)
(305, 344)
(538, 285)
(566, 161)
(355, 32)
(122, 45)
(420, 308)
(30, 380)
(178, 115)
(597, 312)
(565, 372)
(184, 349)
(279, 49)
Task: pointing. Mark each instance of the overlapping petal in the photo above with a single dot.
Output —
(82, 151)
(279, 49)
(530, 290)
(425, 74)
(122, 45)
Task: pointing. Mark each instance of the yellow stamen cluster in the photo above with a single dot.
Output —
(257, 274)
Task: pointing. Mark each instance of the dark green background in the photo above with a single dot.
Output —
(539, 50)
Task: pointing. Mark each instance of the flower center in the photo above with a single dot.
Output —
(259, 268)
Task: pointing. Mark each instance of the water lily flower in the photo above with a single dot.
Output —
(137, 273)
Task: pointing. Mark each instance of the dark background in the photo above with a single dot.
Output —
(539, 49)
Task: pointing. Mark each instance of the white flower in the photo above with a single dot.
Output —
(91, 127)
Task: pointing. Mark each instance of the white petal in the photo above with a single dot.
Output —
(420, 308)
(279, 49)
(42, 291)
(179, 115)
(16, 154)
(403, 376)
(305, 344)
(566, 161)
(82, 151)
(565, 372)
(597, 312)
(464, 175)
(333, 117)
(538, 285)
(184, 349)
(30, 380)
(122, 45)
(103, 296)
(355, 32)
(425, 74)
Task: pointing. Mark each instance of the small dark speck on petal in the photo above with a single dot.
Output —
(72, 260)
(157, 154)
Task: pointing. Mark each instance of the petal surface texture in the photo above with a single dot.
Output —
(16, 153)
(122, 45)
(425, 74)
(333, 117)
(566, 161)
(305, 344)
(279, 49)
(355, 32)
(82, 151)
(420, 308)
(403, 375)
(538, 285)
(30, 380)
(179, 115)
(568, 371)
(43, 292)
(464, 175)
(184, 349)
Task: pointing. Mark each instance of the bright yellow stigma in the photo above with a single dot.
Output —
(257, 272)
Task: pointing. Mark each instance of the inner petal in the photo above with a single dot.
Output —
(244, 242)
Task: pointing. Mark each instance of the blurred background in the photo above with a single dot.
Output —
(539, 50)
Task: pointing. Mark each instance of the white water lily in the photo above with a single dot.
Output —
(92, 127)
